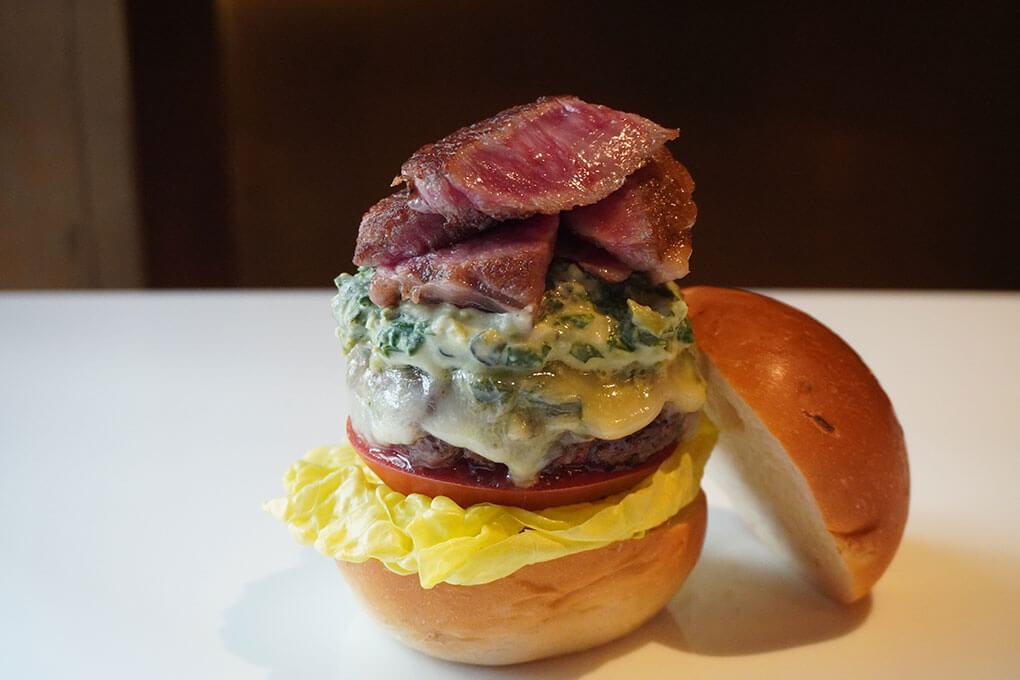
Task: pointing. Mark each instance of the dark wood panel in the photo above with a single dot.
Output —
(180, 140)
(830, 148)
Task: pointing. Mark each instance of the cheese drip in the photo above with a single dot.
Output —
(599, 361)
(531, 416)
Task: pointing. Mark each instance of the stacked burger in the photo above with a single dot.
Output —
(525, 442)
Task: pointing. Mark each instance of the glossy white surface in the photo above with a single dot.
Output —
(139, 433)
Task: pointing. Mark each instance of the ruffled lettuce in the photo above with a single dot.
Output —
(336, 503)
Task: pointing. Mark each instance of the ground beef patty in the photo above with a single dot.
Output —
(600, 454)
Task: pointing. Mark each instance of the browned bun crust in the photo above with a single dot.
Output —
(816, 396)
(564, 605)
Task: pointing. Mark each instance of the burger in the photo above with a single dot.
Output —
(526, 436)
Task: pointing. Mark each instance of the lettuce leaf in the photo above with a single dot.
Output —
(336, 503)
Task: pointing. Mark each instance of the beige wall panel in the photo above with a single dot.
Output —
(67, 215)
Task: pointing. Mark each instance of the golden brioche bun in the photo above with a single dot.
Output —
(549, 608)
(810, 450)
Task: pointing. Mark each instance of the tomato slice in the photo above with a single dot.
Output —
(467, 485)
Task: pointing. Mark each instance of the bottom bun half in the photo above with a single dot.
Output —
(544, 609)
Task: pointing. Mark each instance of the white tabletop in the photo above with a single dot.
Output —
(140, 432)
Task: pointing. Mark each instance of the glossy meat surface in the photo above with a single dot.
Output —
(499, 270)
(544, 157)
(647, 223)
(590, 257)
(391, 231)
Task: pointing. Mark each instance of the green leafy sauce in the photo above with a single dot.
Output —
(582, 321)
(596, 359)
(402, 336)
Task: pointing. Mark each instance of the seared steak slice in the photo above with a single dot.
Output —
(647, 223)
(391, 231)
(500, 270)
(590, 257)
(544, 157)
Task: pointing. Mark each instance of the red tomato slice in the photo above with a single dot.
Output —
(467, 485)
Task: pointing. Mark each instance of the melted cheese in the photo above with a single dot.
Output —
(613, 407)
(600, 360)
(390, 409)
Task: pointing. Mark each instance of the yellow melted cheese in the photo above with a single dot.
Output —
(611, 406)
(614, 405)
(599, 360)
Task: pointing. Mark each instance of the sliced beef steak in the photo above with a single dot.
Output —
(391, 231)
(647, 223)
(590, 257)
(500, 270)
(544, 157)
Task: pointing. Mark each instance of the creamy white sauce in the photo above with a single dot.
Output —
(398, 406)
(595, 364)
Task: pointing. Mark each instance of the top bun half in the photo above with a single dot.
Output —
(811, 452)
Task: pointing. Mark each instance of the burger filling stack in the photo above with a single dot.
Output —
(525, 441)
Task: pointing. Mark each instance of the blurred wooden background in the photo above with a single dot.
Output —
(236, 143)
(68, 201)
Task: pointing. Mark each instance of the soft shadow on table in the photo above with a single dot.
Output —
(732, 608)
(740, 599)
(743, 599)
(289, 621)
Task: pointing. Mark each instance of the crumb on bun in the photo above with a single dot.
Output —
(810, 450)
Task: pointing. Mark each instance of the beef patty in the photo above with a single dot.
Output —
(597, 454)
